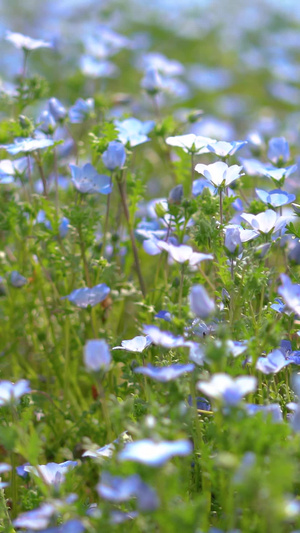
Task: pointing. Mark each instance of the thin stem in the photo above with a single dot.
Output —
(221, 205)
(192, 169)
(41, 171)
(25, 57)
(105, 230)
(181, 289)
(231, 269)
(56, 180)
(83, 257)
(67, 360)
(30, 175)
(122, 190)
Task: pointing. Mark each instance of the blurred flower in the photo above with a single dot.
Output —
(37, 519)
(275, 198)
(118, 489)
(201, 304)
(137, 344)
(273, 363)
(278, 150)
(51, 473)
(57, 110)
(64, 226)
(153, 453)
(46, 122)
(183, 253)
(11, 169)
(17, 280)
(278, 174)
(164, 315)
(290, 293)
(81, 110)
(230, 391)
(133, 131)
(26, 43)
(96, 68)
(163, 338)
(114, 156)
(272, 409)
(233, 240)
(219, 174)
(176, 195)
(88, 296)
(11, 392)
(164, 373)
(26, 145)
(97, 355)
(152, 82)
(87, 180)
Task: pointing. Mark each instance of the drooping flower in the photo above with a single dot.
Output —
(153, 453)
(114, 156)
(200, 302)
(97, 355)
(24, 42)
(88, 296)
(272, 363)
(230, 391)
(57, 109)
(275, 198)
(12, 392)
(27, 145)
(81, 110)
(219, 173)
(87, 180)
(51, 473)
(164, 373)
(137, 344)
(133, 131)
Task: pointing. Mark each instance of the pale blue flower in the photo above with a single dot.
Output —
(278, 174)
(200, 302)
(24, 42)
(168, 67)
(164, 315)
(183, 253)
(152, 81)
(265, 222)
(233, 241)
(163, 338)
(290, 293)
(37, 519)
(87, 180)
(57, 109)
(119, 489)
(236, 348)
(46, 122)
(88, 296)
(64, 226)
(11, 169)
(200, 184)
(272, 363)
(254, 167)
(164, 373)
(278, 150)
(52, 473)
(133, 131)
(81, 110)
(219, 173)
(137, 344)
(114, 156)
(191, 143)
(272, 409)
(17, 280)
(196, 353)
(224, 149)
(97, 355)
(12, 392)
(275, 198)
(27, 145)
(227, 389)
(153, 453)
(97, 68)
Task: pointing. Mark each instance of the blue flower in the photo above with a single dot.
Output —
(265, 222)
(275, 198)
(226, 389)
(273, 363)
(191, 143)
(153, 453)
(11, 392)
(46, 122)
(81, 110)
(37, 519)
(201, 184)
(183, 253)
(164, 315)
(17, 280)
(164, 373)
(88, 296)
(278, 150)
(87, 180)
(152, 81)
(51, 473)
(233, 241)
(219, 173)
(114, 156)
(201, 304)
(97, 355)
(25, 42)
(272, 409)
(137, 344)
(290, 293)
(278, 174)
(133, 131)
(119, 489)
(97, 68)
(64, 226)
(224, 149)
(57, 109)
(163, 338)
(27, 145)
(11, 169)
